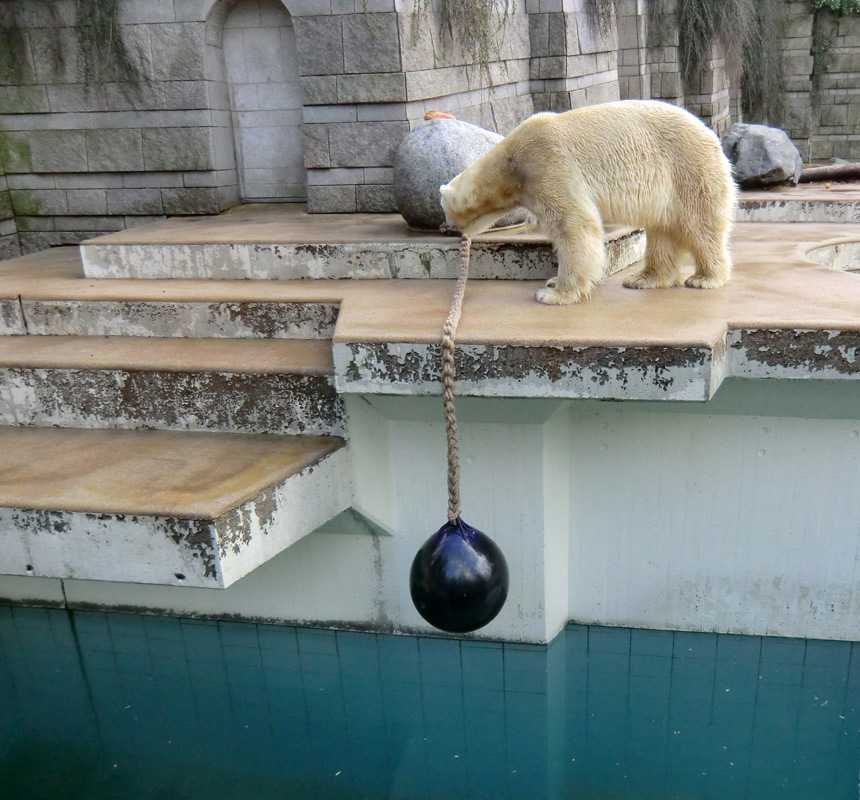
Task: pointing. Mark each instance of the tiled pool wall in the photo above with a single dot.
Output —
(113, 705)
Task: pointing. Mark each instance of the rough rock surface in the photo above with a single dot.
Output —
(430, 155)
(761, 156)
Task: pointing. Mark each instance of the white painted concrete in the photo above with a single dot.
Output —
(152, 549)
(737, 515)
(366, 260)
(265, 95)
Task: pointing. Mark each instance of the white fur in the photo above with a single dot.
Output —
(636, 162)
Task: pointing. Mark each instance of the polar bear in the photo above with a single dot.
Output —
(642, 163)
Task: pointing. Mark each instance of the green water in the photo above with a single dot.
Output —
(109, 706)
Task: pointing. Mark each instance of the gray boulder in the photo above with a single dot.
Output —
(761, 156)
(432, 154)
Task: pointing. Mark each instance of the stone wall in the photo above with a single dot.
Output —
(86, 154)
(261, 99)
(9, 243)
(376, 77)
(573, 59)
(823, 117)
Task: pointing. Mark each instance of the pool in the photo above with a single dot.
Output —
(105, 705)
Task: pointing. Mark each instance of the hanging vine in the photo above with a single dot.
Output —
(478, 26)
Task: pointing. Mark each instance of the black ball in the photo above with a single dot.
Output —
(459, 578)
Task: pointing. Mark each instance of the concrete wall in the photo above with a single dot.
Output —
(736, 516)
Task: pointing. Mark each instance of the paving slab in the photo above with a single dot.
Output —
(192, 509)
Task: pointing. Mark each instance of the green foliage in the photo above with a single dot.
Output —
(476, 25)
(837, 6)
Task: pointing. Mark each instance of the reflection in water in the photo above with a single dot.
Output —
(99, 705)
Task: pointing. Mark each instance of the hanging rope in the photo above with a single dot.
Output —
(448, 372)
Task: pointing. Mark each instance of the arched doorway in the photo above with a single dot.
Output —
(265, 98)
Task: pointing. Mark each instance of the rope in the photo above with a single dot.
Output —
(448, 347)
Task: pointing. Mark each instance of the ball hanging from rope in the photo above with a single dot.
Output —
(459, 578)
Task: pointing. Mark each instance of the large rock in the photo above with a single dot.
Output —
(430, 155)
(761, 156)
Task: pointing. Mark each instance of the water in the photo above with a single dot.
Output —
(107, 706)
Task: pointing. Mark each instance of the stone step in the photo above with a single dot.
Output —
(47, 294)
(270, 386)
(162, 507)
(282, 242)
(181, 319)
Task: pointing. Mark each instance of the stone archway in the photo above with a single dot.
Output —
(262, 76)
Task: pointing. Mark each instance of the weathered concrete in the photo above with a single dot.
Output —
(508, 257)
(11, 317)
(165, 384)
(617, 373)
(231, 320)
(806, 203)
(165, 508)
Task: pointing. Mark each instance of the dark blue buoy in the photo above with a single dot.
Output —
(459, 578)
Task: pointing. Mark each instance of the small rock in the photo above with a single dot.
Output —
(434, 153)
(761, 156)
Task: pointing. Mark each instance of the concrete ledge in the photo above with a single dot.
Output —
(230, 320)
(616, 373)
(523, 258)
(97, 505)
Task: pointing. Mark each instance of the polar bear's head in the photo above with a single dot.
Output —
(471, 205)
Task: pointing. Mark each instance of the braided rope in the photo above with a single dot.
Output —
(448, 372)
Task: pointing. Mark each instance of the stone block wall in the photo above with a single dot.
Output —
(835, 111)
(9, 243)
(86, 154)
(266, 99)
(574, 61)
(380, 70)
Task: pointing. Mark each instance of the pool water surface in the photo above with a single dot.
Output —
(101, 705)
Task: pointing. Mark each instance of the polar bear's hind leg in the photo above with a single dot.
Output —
(713, 262)
(661, 268)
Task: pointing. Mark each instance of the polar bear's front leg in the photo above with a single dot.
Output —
(581, 263)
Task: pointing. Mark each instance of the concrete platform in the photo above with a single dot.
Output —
(284, 242)
(792, 309)
(189, 509)
(273, 386)
(808, 202)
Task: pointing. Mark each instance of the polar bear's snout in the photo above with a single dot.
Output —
(445, 195)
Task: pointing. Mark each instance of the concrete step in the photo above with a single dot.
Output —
(270, 386)
(283, 242)
(162, 507)
(47, 294)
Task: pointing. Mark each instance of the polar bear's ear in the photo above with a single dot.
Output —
(445, 190)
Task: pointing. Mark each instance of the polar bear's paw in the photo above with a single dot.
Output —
(648, 280)
(553, 296)
(697, 281)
